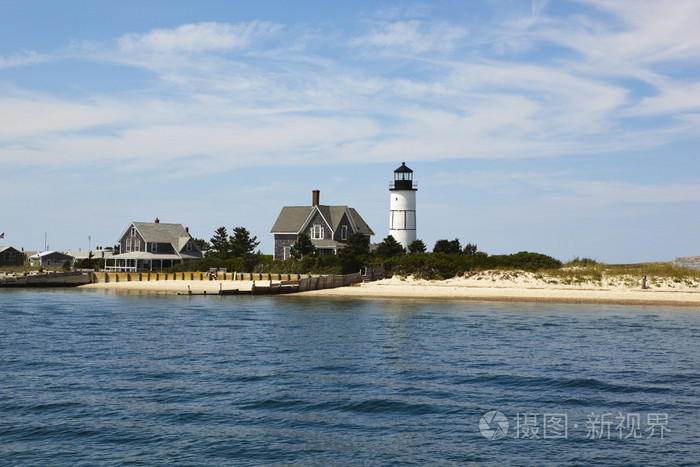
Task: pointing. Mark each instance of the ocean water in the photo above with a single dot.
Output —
(99, 378)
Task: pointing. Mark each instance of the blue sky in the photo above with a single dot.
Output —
(569, 128)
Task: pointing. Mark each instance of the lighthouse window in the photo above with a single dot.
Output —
(317, 232)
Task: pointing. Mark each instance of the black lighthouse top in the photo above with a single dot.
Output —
(403, 178)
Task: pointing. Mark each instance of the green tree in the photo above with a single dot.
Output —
(351, 258)
(470, 249)
(241, 244)
(389, 248)
(447, 246)
(202, 244)
(220, 246)
(417, 246)
(302, 247)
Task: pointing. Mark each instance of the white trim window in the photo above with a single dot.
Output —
(286, 252)
(343, 232)
(138, 245)
(128, 245)
(154, 247)
(189, 246)
(317, 232)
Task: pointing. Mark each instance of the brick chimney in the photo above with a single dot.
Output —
(187, 229)
(157, 221)
(316, 195)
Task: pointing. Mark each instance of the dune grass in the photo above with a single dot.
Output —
(588, 270)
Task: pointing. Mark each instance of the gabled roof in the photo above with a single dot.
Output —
(360, 223)
(3, 248)
(294, 219)
(159, 232)
(48, 253)
(291, 219)
(80, 254)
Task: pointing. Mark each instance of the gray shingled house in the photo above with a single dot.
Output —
(154, 246)
(328, 227)
(10, 256)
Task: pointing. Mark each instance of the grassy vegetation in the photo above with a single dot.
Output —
(587, 270)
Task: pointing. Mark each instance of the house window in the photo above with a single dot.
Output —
(344, 232)
(317, 232)
(154, 247)
(128, 245)
(189, 246)
(138, 245)
(133, 231)
(286, 252)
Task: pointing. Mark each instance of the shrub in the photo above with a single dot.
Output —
(417, 246)
(389, 248)
(447, 246)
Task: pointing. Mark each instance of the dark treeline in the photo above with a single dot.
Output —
(448, 258)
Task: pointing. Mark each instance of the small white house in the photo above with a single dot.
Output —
(50, 258)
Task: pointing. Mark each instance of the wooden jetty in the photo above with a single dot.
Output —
(221, 291)
(51, 279)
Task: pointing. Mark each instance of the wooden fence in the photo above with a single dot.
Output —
(190, 276)
(276, 283)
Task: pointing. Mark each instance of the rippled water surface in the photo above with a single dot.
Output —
(92, 378)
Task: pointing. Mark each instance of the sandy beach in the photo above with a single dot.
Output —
(524, 287)
(484, 286)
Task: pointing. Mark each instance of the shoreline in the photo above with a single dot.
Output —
(526, 287)
(492, 294)
(458, 289)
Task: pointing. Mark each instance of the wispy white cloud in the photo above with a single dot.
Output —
(673, 98)
(634, 35)
(29, 116)
(306, 105)
(636, 193)
(23, 59)
(199, 37)
(413, 36)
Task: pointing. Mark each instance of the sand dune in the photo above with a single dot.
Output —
(527, 287)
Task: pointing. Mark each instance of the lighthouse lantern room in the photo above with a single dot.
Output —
(402, 220)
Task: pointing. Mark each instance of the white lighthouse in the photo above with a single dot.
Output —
(402, 220)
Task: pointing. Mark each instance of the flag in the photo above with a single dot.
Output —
(2, 235)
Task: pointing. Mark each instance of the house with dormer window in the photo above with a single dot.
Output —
(328, 227)
(154, 246)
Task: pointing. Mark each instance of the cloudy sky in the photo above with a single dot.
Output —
(570, 128)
